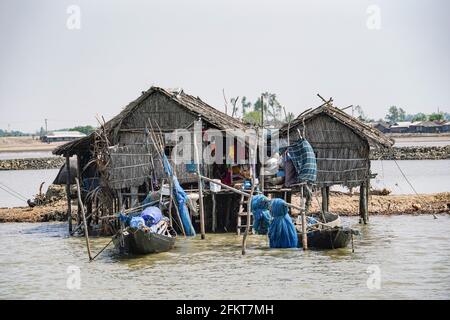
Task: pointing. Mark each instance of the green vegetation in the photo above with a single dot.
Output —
(396, 114)
(5, 133)
(83, 129)
(274, 113)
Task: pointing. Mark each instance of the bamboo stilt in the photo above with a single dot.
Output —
(69, 203)
(200, 190)
(86, 233)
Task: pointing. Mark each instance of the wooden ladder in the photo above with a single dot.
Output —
(243, 207)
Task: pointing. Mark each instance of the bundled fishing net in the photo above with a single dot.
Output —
(261, 214)
(181, 199)
(282, 233)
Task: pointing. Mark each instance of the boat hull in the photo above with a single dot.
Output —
(140, 242)
(334, 238)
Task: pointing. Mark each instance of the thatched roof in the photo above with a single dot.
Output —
(371, 135)
(190, 103)
(61, 177)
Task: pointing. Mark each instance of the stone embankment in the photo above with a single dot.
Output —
(32, 163)
(412, 153)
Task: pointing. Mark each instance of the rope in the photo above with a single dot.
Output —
(13, 193)
(11, 189)
(410, 184)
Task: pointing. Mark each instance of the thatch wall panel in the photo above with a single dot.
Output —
(342, 156)
(161, 110)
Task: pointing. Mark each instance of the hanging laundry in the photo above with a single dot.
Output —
(304, 160)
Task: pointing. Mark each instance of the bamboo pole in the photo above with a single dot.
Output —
(170, 205)
(249, 203)
(324, 199)
(86, 234)
(200, 190)
(249, 211)
(79, 178)
(69, 204)
(214, 213)
(302, 212)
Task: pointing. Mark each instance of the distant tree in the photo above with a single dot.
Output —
(395, 114)
(446, 116)
(83, 129)
(289, 117)
(436, 117)
(359, 113)
(273, 110)
(235, 110)
(419, 117)
(13, 133)
(245, 105)
(253, 117)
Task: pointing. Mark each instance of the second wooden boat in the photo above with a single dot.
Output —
(328, 234)
(137, 241)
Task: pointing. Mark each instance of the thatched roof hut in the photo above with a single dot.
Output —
(341, 143)
(130, 158)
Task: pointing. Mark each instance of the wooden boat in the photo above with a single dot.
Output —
(329, 234)
(137, 241)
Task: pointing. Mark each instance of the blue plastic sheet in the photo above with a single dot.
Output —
(151, 216)
(282, 233)
(181, 199)
(261, 214)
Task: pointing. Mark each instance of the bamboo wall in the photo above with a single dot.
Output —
(131, 160)
(342, 156)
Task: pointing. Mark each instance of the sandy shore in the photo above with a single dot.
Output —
(22, 144)
(348, 205)
(55, 211)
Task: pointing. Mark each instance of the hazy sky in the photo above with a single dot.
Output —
(292, 48)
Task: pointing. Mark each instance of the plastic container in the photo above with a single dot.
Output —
(165, 190)
(214, 187)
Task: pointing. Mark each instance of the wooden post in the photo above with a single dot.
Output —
(214, 213)
(134, 197)
(324, 199)
(79, 179)
(367, 199)
(69, 204)
(200, 189)
(261, 176)
(362, 202)
(86, 233)
(304, 233)
(249, 204)
(170, 203)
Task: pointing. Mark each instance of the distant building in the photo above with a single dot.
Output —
(446, 126)
(426, 127)
(381, 126)
(400, 127)
(62, 136)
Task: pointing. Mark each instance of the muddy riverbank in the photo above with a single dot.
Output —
(346, 204)
(342, 203)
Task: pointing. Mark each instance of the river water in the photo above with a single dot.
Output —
(411, 254)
